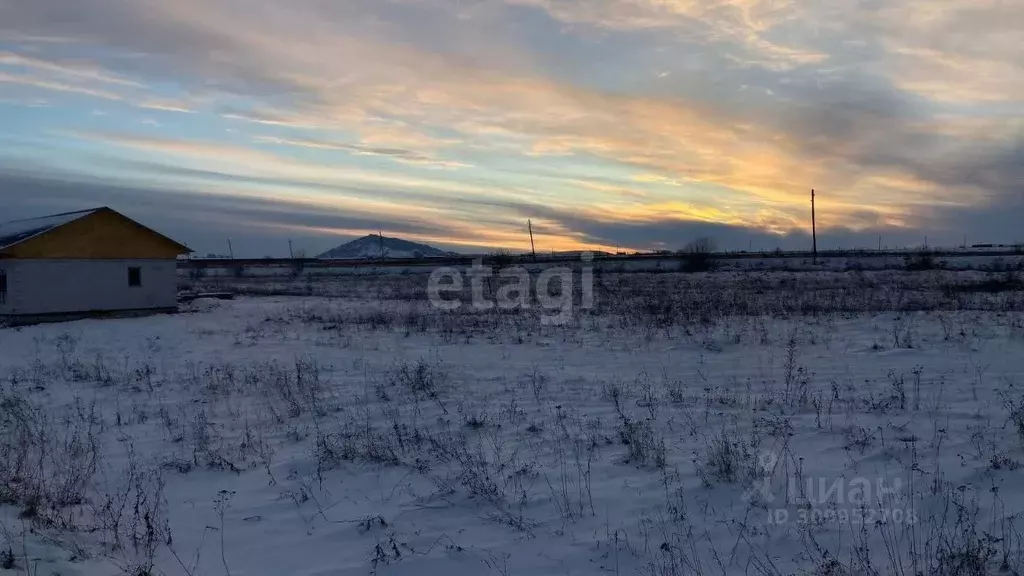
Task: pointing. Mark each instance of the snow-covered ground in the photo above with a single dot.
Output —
(688, 424)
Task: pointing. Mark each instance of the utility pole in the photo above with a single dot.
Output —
(879, 243)
(231, 252)
(533, 248)
(291, 253)
(380, 234)
(814, 230)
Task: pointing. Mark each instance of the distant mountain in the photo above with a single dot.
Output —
(369, 247)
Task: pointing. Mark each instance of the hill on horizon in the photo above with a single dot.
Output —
(369, 247)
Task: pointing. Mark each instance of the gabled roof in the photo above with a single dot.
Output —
(17, 231)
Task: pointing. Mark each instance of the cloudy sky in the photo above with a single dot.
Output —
(631, 123)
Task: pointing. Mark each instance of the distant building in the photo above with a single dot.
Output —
(85, 263)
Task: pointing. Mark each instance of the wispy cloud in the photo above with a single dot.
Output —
(166, 105)
(396, 154)
(633, 111)
(330, 184)
(81, 70)
(57, 86)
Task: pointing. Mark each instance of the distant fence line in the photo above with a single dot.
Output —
(505, 259)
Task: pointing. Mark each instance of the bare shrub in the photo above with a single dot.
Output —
(903, 331)
(538, 382)
(923, 260)
(490, 471)
(858, 437)
(1015, 413)
(796, 378)
(358, 441)
(945, 534)
(296, 386)
(643, 445)
(421, 380)
(574, 452)
(698, 256)
(729, 459)
(7, 559)
(208, 447)
(50, 462)
(47, 460)
(133, 516)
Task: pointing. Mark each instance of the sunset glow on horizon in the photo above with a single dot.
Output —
(610, 124)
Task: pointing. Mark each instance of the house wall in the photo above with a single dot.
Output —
(40, 287)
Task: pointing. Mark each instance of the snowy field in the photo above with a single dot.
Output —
(724, 423)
